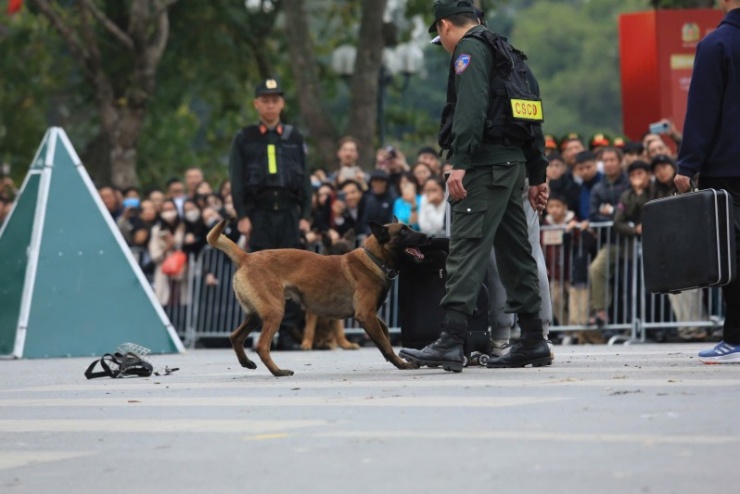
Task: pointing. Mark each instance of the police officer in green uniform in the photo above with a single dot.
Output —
(492, 152)
(271, 184)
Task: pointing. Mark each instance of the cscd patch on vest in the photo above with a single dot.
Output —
(531, 110)
(462, 63)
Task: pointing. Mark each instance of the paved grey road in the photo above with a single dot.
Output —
(642, 418)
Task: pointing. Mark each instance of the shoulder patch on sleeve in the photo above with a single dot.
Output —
(461, 63)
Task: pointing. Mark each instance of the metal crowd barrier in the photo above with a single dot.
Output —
(210, 309)
(634, 313)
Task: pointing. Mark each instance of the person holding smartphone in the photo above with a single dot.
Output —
(349, 209)
(130, 209)
(349, 169)
(406, 207)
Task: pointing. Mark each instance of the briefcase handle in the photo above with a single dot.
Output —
(693, 187)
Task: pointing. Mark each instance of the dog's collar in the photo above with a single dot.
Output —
(390, 273)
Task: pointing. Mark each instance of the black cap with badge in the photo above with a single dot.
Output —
(478, 13)
(268, 86)
(447, 8)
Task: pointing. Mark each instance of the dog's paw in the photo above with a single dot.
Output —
(409, 365)
(351, 346)
(306, 346)
(248, 364)
(283, 373)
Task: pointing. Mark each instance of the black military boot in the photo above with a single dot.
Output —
(532, 349)
(446, 352)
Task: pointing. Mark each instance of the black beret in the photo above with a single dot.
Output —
(662, 158)
(638, 165)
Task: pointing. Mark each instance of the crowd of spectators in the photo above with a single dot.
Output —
(598, 190)
(593, 182)
(347, 197)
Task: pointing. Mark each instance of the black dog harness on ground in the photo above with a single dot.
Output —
(119, 365)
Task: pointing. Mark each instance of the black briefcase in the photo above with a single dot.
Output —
(688, 241)
(421, 286)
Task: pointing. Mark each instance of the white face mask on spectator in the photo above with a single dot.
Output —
(169, 216)
(192, 216)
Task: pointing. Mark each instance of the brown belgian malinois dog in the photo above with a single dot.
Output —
(321, 332)
(353, 284)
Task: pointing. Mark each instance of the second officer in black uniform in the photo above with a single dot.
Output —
(271, 184)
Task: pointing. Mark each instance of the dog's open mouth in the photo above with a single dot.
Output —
(415, 253)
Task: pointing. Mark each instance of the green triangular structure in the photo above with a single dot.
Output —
(69, 285)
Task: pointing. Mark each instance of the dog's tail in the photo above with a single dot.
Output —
(225, 244)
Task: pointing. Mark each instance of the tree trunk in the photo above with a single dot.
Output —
(96, 158)
(364, 87)
(123, 149)
(264, 66)
(304, 67)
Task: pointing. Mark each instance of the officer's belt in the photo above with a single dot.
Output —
(275, 199)
(502, 141)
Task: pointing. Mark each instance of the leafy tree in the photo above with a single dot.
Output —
(364, 85)
(306, 71)
(184, 110)
(34, 72)
(575, 57)
(217, 53)
(363, 82)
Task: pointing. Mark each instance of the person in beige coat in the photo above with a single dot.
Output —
(168, 235)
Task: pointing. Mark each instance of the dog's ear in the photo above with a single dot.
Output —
(350, 236)
(380, 232)
(326, 242)
(395, 219)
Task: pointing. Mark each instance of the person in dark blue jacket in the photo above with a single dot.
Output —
(603, 203)
(586, 175)
(711, 147)
(379, 198)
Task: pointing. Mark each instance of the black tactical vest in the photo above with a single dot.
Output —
(515, 107)
(269, 165)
